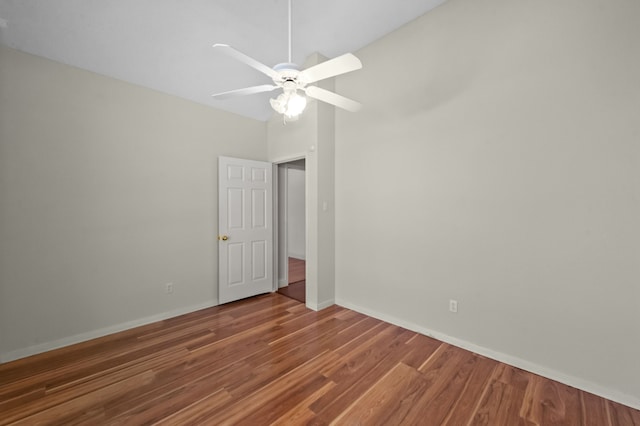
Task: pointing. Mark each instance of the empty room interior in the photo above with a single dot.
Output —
(467, 217)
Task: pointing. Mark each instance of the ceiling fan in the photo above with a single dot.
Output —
(288, 77)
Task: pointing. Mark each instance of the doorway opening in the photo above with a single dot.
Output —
(292, 230)
(296, 289)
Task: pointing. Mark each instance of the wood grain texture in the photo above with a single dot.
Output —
(297, 270)
(269, 360)
(296, 289)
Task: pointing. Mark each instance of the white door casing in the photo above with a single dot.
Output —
(245, 228)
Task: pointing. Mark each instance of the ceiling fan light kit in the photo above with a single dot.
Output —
(289, 103)
(288, 77)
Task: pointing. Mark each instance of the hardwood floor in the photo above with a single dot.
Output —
(270, 360)
(297, 284)
(297, 270)
(296, 291)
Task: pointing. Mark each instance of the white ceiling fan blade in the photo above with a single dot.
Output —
(246, 91)
(236, 54)
(336, 66)
(332, 98)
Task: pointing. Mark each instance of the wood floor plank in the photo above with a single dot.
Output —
(270, 360)
(264, 374)
(623, 415)
(207, 377)
(595, 412)
(513, 376)
(196, 413)
(175, 400)
(52, 399)
(77, 374)
(27, 368)
(551, 403)
(464, 408)
(500, 406)
(296, 291)
(275, 407)
(441, 396)
(300, 380)
(423, 347)
(71, 409)
(381, 405)
(300, 413)
(21, 398)
(358, 371)
(297, 268)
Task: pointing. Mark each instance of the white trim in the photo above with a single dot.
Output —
(83, 337)
(321, 305)
(283, 161)
(326, 304)
(523, 364)
(285, 222)
(276, 228)
(290, 159)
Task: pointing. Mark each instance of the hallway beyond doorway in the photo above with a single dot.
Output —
(296, 288)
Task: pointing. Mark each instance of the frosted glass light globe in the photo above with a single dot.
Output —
(295, 105)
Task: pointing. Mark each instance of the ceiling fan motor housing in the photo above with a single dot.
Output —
(288, 73)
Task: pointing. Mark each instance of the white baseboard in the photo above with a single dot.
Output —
(282, 283)
(321, 305)
(326, 304)
(523, 364)
(297, 256)
(83, 337)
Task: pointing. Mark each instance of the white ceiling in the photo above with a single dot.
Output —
(166, 44)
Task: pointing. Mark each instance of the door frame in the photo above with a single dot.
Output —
(277, 244)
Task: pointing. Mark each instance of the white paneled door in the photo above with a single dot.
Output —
(245, 229)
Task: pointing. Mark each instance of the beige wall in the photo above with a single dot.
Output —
(296, 213)
(108, 191)
(497, 162)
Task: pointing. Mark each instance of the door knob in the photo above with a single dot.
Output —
(223, 237)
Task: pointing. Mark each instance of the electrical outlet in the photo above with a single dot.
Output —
(169, 288)
(453, 305)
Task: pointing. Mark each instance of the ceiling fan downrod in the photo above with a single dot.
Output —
(290, 32)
